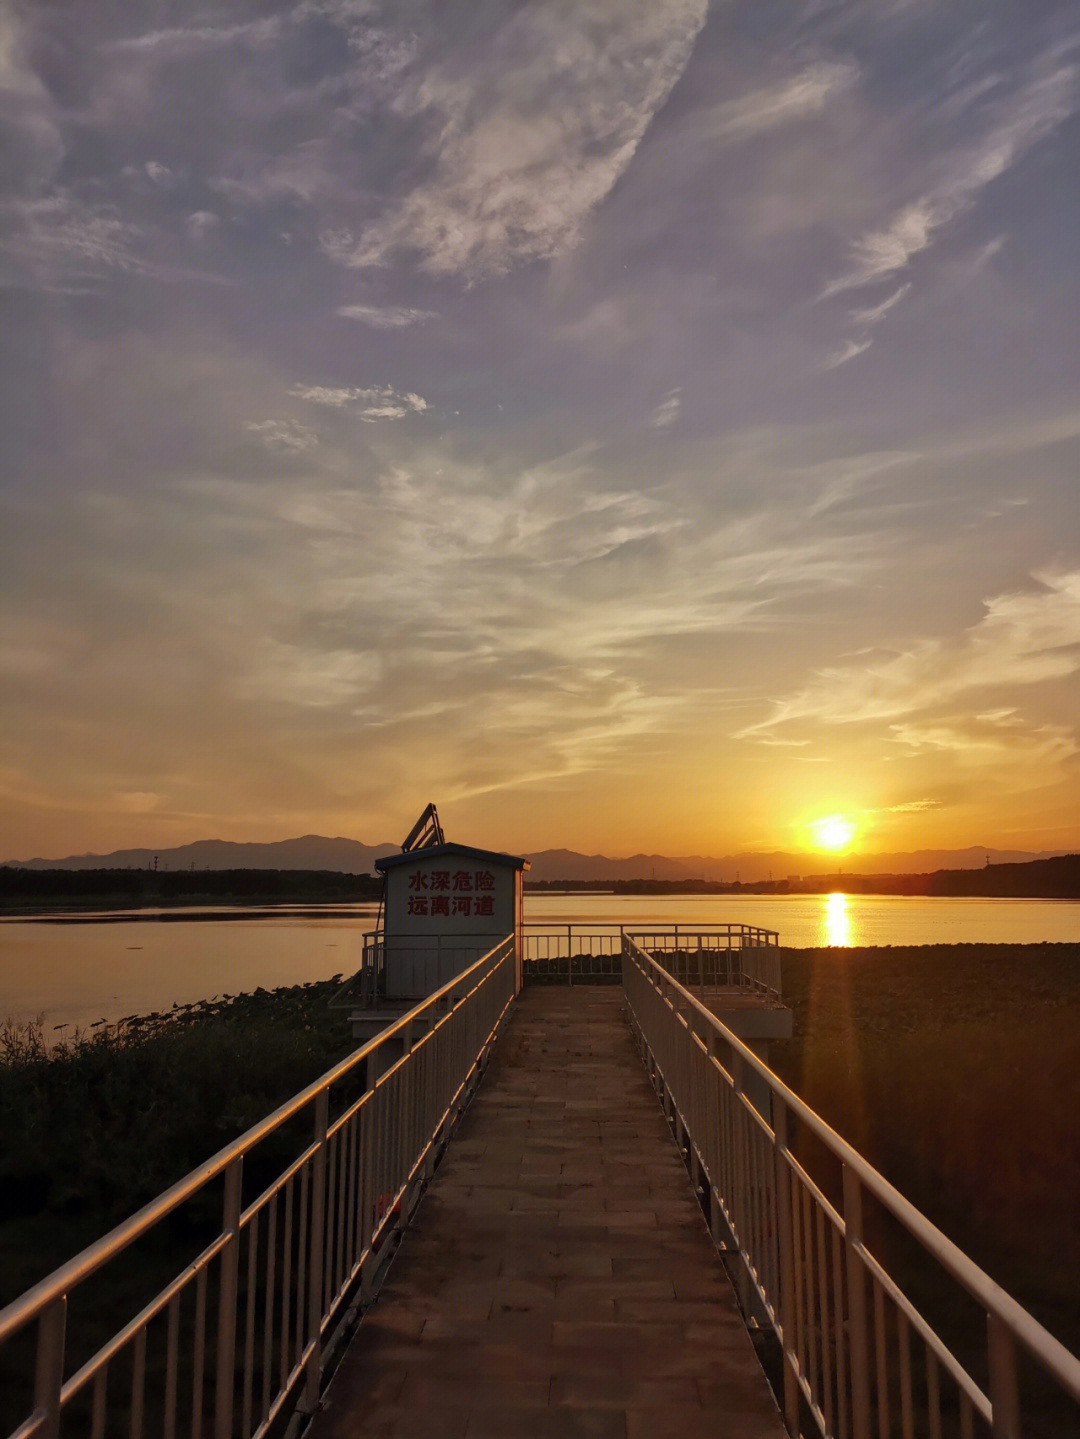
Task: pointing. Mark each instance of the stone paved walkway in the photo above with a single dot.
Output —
(558, 1278)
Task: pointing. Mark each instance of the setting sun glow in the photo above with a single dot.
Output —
(837, 922)
(834, 832)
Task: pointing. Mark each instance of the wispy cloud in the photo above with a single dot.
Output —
(667, 411)
(282, 437)
(379, 402)
(1024, 638)
(58, 240)
(531, 138)
(385, 317)
(875, 313)
(185, 40)
(201, 224)
(978, 742)
(850, 350)
(1036, 111)
(307, 677)
(412, 511)
(62, 244)
(791, 99)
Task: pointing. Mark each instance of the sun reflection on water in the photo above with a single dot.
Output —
(837, 922)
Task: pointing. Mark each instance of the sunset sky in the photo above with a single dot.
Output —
(632, 426)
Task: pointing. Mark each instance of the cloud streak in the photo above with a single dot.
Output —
(385, 317)
(874, 314)
(801, 95)
(282, 437)
(1049, 96)
(182, 41)
(531, 138)
(667, 411)
(379, 402)
(850, 350)
(1024, 638)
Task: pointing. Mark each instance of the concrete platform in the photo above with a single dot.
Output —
(558, 1278)
(755, 1020)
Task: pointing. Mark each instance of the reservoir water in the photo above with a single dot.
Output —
(106, 967)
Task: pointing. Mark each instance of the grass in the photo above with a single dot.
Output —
(955, 1070)
(94, 1128)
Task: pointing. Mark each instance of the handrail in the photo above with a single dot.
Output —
(338, 1200)
(949, 1254)
(728, 952)
(751, 956)
(30, 1304)
(683, 1055)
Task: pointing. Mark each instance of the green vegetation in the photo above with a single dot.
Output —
(92, 1130)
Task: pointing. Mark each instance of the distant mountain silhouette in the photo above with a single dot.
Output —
(310, 851)
(556, 864)
(316, 852)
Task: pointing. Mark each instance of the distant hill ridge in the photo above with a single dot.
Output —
(349, 856)
(309, 851)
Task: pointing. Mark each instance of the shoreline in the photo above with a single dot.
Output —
(229, 907)
(89, 914)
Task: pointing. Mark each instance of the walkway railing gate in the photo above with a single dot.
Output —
(858, 1353)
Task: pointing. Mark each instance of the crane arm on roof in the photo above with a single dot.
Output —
(425, 833)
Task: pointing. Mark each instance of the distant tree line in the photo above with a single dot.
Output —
(135, 888)
(570, 886)
(1056, 878)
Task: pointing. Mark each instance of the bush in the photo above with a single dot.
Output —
(94, 1128)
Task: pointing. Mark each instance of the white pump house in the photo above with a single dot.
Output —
(445, 906)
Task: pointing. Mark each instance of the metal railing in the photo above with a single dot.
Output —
(419, 964)
(549, 952)
(858, 1353)
(740, 955)
(364, 986)
(569, 953)
(239, 1335)
(732, 956)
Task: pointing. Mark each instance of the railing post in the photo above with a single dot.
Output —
(856, 1282)
(318, 1246)
(1004, 1390)
(716, 1224)
(226, 1335)
(785, 1234)
(49, 1369)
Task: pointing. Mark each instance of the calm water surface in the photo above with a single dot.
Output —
(77, 974)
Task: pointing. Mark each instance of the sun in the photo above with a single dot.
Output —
(833, 832)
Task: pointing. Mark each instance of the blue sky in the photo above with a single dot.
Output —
(632, 426)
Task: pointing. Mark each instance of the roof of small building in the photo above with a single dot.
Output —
(464, 851)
